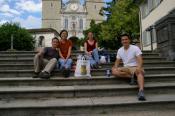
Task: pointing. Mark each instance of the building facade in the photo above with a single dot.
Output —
(158, 26)
(72, 16)
(151, 12)
(43, 37)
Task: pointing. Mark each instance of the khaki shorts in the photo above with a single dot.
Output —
(130, 70)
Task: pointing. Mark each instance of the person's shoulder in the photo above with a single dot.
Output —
(120, 49)
(69, 41)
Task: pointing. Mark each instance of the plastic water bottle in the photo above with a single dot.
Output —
(109, 60)
(108, 73)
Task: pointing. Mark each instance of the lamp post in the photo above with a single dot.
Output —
(12, 42)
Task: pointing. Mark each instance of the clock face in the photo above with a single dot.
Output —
(74, 6)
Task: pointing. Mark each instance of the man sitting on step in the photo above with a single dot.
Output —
(46, 59)
(132, 60)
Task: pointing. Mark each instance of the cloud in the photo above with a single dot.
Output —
(3, 21)
(29, 22)
(7, 11)
(29, 6)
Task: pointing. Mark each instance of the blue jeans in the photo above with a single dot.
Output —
(63, 64)
(94, 59)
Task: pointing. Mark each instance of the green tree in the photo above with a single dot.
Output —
(23, 40)
(122, 17)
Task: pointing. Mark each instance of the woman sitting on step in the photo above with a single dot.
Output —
(65, 49)
(91, 49)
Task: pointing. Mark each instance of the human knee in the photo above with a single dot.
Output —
(137, 72)
(95, 50)
(37, 56)
(115, 72)
(70, 60)
(54, 60)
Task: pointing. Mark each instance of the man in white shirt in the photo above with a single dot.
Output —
(131, 56)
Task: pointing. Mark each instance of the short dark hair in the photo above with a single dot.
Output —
(55, 38)
(129, 37)
(63, 31)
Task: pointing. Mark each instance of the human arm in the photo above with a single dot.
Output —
(96, 45)
(69, 52)
(139, 61)
(117, 63)
(139, 58)
(41, 52)
(60, 54)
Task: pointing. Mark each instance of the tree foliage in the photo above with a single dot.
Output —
(122, 17)
(23, 40)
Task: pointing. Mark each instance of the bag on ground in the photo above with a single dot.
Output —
(82, 67)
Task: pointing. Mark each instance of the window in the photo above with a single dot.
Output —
(146, 38)
(95, 7)
(73, 17)
(66, 24)
(51, 4)
(81, 23)
(148, 6)
(41, 41)
(144, 9)
(73, 26)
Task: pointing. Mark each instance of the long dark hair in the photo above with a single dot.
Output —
(64, 31)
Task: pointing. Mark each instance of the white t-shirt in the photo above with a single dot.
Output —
(129, 56)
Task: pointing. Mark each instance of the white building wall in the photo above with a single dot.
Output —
(162, 10)
(156, 14)
(47, 39)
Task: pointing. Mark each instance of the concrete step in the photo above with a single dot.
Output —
(30, 60)
(94, 72)
(72, 81)
(91, 106)
(77, 51)
(73, 54)
(40, 92)
(22, 66)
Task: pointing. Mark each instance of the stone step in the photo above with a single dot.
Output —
(14, 57)
(30, 60)
(73, 54)
(91, 106)
(22, 66)
(94, 72)
(72, 81)
(77, 51)
(40, 92)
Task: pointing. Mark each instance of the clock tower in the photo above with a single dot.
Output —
(73, 16)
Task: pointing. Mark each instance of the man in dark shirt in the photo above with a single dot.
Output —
(46, 60)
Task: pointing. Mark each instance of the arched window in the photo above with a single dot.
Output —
(66, 24)
(81, 23)
(41, 41)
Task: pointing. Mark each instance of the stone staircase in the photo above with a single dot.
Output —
(21, 95)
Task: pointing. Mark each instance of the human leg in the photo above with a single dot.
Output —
(62, 63)
(140, 81)
(121, 72)
(96, 56)
(38, 61)
(49, 66)
(68, 64)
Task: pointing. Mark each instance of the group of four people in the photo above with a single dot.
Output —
(60, 53)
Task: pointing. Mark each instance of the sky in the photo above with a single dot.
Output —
(26, 12)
